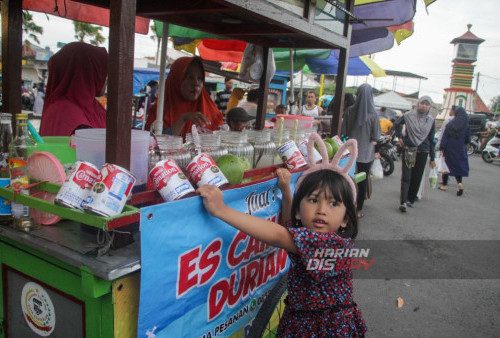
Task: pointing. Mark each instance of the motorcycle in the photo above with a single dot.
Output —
(387, 153)
(490, 151)
(474, 145)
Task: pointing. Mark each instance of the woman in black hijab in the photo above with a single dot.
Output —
(455, 138)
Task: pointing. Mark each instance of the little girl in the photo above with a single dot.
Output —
(323, 221)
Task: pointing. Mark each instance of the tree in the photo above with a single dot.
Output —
(84, 30)
(495, 104)
(30, 29)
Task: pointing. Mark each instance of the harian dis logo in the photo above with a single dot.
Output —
(85, 176)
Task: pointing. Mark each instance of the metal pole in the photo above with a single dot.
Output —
(158, 124)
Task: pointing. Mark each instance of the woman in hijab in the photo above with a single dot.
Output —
(361, 123)
(186, 100)
(455, 137)
(77, 75)
(415, 131)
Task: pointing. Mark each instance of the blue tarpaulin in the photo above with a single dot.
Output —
(143, 75)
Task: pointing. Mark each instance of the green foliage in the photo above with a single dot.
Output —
(30, 29)
(495, 104)
(85, 30)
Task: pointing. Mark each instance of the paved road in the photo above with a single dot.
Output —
(441, 299)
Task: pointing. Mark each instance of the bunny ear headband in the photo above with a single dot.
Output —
(351, 145)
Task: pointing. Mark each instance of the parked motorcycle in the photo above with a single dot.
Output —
(490, 151)
(387, 153)
(474, 145)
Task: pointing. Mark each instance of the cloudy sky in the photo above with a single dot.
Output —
(427, 52)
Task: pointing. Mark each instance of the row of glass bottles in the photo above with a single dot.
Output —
(257, 147)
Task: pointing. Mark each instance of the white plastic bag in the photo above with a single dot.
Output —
(252, 64)
(433, 177)
(377, 170)
(441, 165)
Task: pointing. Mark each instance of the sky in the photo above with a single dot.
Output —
(428, 52)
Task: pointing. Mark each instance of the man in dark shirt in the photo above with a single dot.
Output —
(222, 97)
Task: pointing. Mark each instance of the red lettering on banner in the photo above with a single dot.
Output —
(251, 280)
(235, 297)
(232, 259)
(210, 261)
(270, 268)
(254, 247)
(243, 282)
(217, 297)
(196, 269)
(186, 278)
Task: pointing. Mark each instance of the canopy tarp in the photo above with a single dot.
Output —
(392, 100)
(78, 11)
(142, 76)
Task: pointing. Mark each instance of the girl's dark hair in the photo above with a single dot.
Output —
(327, 179)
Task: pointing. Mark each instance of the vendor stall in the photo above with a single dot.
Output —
(67, 279)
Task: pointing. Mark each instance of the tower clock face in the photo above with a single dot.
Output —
(466, 51)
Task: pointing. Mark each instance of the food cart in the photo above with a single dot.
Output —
(56, 280)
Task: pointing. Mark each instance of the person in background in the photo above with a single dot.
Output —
(415, 131)
(238, 119)
(187, 102)
(293, 108)
(152, 93)
(39, 98)
(382, 113)
(235, 98)
(280, 109)
(310, 108)
(385, 124)
(455, 137)
(222, 97)
(250, 105)
(77, 75)
(361, 123)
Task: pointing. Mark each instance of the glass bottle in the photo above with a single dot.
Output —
(5, 140)
(211, 145)
(237, 144)
(169, 146)
(264, 148)
(19, 149)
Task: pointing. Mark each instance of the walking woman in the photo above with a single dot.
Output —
(453, 142)
(415, 131)
(361, 123)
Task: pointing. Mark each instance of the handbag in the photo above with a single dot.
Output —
(410, 156)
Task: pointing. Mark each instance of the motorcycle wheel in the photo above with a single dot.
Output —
(470, 149)
(487, 157)
(387, 163)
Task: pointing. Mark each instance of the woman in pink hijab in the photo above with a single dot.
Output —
(77, 75)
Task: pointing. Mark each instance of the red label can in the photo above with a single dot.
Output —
(291, 155)
(170, 181)
(203, 170)
(110, 191)
(76, 188)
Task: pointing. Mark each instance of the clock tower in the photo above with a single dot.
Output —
(460, 92)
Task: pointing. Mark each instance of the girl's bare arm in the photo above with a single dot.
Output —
(263, 230)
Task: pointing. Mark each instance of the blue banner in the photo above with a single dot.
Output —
(200, 276)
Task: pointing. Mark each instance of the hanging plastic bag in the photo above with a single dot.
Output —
(441, 165)
(433, 177)
(252, 64)
(377, 171)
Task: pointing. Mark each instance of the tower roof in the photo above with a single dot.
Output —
(468, 37)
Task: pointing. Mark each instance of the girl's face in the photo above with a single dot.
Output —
(192, 83)
(320, 212)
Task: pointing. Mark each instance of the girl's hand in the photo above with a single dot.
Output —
(197, 118)
(284, 179)
(212, 198)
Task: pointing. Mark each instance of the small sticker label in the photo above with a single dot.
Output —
(38, 310)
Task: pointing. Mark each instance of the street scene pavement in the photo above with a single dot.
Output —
(440, 259)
